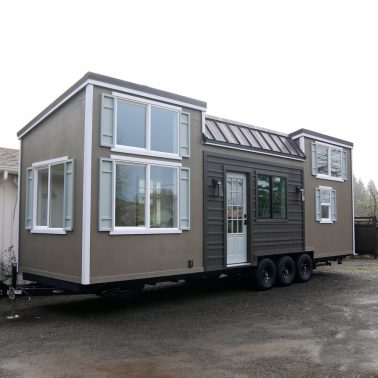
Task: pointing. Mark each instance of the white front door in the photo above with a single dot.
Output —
(236, 218)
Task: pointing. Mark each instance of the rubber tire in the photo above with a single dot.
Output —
(304, 267)
(264, 276)
(285, 271)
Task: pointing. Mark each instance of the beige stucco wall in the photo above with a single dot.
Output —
(122, 257)
(61, 134)
(328, 239)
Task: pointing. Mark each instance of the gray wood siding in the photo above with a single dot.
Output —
(265, 237)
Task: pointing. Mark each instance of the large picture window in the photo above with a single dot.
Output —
(328, 162)
(271, 197)
(146, 196)
(49, 204)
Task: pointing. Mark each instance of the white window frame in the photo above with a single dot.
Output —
(148, 104)
(329, 219)
(117, 230)
(329, 176)
(37, 166)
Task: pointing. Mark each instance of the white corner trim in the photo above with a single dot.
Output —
(87, 176)
(302, 144)
(51, 161)
(145, 161)
(145, 101)
(203, 125)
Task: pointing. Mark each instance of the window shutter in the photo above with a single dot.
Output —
(333, 206)
(185, 135)
(29, 199)
(313, 159)
(68, 195)
(185, 198)
(106, 195)
(107, 121)
(317, 205)
(344, 165)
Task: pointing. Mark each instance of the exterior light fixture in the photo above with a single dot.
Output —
(300, 194)
(217, 187)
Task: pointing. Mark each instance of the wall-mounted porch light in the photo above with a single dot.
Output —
(217, 187)
(300, 194)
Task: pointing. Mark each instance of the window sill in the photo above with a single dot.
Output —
(330, 178)
(325, 222)
(145, 231)
(144, 152)
(55, 231)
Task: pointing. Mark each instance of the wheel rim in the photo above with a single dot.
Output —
(285, 273)
(266, 275)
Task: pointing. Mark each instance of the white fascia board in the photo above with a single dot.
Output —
(87, 176)
(145, 94)
(253, 151)
(325, 140)
(112, 87)
(145, 101)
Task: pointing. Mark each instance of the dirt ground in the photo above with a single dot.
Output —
(327, 327)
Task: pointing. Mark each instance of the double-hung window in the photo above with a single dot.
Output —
(49, 204)
(144, 127)
(325, 203)
(329, 162)
(143, 196)
(271, 197)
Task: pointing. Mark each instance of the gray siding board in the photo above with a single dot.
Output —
(265, 237)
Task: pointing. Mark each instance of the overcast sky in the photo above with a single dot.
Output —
(282, 65)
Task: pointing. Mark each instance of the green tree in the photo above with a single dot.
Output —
(361, 198)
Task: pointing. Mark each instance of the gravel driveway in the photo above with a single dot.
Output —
(326, 327)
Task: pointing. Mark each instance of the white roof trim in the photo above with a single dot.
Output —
(113, 87)
(253, 151)
(315, 138)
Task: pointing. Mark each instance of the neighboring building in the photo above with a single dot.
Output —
(121, 182)
(8, 206)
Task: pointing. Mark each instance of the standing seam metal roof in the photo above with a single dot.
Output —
(239, 135)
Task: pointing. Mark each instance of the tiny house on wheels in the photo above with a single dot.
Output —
(122, 184)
